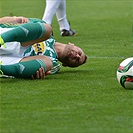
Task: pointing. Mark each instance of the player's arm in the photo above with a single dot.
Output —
(19, 20)
(14, 20)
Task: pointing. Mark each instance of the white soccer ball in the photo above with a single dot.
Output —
(125, 73)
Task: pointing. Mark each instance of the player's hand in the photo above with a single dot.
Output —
(40, 74)
(21, 20)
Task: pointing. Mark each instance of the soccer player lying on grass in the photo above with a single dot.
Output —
(30, 46)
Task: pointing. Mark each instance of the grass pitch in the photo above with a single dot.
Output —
(87, 99)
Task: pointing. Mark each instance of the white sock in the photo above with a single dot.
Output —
(58, 7)
(61, 16)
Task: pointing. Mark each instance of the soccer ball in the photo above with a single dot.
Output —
(125, 73)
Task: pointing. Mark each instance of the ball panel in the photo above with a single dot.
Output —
(128, 85)
(124, 68)
(127, 81)
(125, 73)
(126, 61)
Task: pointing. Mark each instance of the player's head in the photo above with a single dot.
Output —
(73, 56)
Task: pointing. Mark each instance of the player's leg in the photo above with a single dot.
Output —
(50, 10)
(27, 68)
(62, 20)
(29, 32)
(23, 69)
(61, 16)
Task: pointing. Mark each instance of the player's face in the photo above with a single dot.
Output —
(74, 56)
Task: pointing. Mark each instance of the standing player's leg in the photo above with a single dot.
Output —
(61, 16)
(50, 10)
(62, 20)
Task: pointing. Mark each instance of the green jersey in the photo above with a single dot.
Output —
(43, 48)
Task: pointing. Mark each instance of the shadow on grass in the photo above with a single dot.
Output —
(74, 71)
(60, 75)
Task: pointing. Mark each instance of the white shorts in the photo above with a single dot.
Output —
(12, 54)
(9, 59)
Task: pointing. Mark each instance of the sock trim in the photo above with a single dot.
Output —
(43, 29)
(42, 64)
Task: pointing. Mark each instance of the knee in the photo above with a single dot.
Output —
(48, 30)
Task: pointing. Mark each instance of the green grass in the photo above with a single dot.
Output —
(87, 99)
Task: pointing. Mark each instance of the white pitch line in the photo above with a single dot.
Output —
(106, 57)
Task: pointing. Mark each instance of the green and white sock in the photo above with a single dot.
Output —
(24, 33)
(23, 69)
